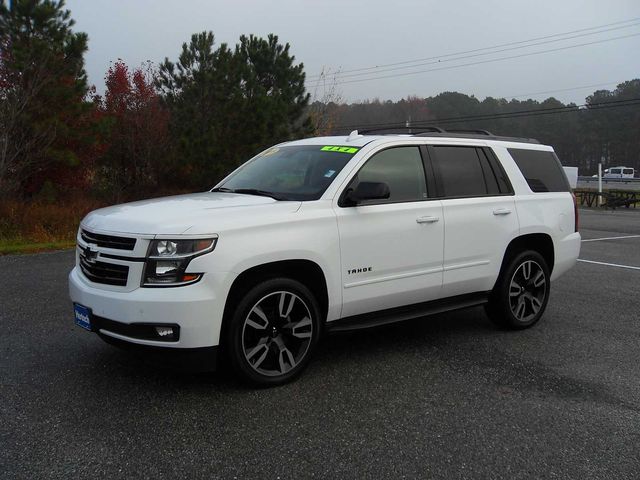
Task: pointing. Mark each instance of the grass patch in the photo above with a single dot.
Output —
(27, 227)
(7, 248)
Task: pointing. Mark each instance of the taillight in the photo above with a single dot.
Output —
(575, 211)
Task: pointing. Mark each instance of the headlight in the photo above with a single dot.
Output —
(167, 261)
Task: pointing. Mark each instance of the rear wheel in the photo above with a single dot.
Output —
(520, 296)
(273, 331)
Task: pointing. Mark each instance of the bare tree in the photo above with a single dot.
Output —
(20, 147)
(326, 97)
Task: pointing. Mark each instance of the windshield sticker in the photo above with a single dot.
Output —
(332, 148)
(329, 173)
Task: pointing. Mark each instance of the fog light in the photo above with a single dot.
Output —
(164, 331)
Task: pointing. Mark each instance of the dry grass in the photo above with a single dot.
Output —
(38, 226)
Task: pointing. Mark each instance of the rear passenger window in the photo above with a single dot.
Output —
(542, 170)
(462, 173)
(401, 169)
(504, 185)
(489, 176)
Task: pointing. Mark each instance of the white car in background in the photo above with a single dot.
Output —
(618, 172)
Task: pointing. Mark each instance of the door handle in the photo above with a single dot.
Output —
(427, 219)
(501, 211)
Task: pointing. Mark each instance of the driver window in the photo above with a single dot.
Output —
(401, 169)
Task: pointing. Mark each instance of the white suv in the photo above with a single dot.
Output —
(327, 234)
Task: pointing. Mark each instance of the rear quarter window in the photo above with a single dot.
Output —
(541, 169)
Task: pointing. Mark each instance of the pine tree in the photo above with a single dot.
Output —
(42, 89)
(226, 105)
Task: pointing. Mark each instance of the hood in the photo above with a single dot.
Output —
(197, 213)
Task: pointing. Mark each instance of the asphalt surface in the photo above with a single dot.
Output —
(445, 397)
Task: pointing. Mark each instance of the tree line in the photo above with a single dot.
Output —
(606, 129)
(182, 124)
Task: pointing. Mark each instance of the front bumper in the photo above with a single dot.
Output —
(196, 309)
(203, 359)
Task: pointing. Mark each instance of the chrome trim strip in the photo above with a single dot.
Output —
(466, 265)
(394, 277)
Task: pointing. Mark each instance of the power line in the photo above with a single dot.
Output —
(586, 107)
(539, 52)
(632, 20)
(438, 60)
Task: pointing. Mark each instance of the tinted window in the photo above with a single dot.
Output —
(542, 170)
(461, 172)
(628, 171)
(615, 170)
(489, 176)
(504, 185)
(401, 169)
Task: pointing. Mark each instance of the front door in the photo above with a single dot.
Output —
(391, 249)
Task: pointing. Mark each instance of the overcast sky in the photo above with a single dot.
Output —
(348, 35)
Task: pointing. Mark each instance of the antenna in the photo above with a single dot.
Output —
(353, 135)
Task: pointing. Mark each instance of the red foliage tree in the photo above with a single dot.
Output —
(137, 145)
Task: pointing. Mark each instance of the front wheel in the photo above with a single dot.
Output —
(520, 296)
(273, 331)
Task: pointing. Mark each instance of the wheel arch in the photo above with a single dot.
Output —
(538, 242)
(307, 272)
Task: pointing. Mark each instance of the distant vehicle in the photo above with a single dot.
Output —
(619, 172)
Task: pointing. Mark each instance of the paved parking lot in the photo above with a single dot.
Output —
(445, 397)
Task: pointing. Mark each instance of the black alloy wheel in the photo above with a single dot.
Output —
(521, 294)
(273, 332)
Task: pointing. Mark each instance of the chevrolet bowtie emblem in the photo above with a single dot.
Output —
(90, 255)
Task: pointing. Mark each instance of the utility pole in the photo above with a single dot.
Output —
(599, 184)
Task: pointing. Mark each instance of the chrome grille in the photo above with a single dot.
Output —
(108, 241)
(101, 272)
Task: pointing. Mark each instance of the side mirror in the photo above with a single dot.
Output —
(367, 191)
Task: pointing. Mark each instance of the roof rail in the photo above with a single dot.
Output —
(477, 136)
(470, 130)
(420, 129)
(434, 131)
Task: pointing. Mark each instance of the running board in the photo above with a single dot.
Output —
(408, 312)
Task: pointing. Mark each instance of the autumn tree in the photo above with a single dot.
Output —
(42, 92)
(134, 160)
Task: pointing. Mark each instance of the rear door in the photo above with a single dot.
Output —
(479, 213)
(391, 250)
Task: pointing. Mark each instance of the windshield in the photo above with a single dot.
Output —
(301, 172)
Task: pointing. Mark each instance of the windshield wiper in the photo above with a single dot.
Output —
(250, 191)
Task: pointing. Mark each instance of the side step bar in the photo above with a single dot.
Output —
(408, 312)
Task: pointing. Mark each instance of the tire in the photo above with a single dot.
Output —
(273, 331)
(521, 294)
